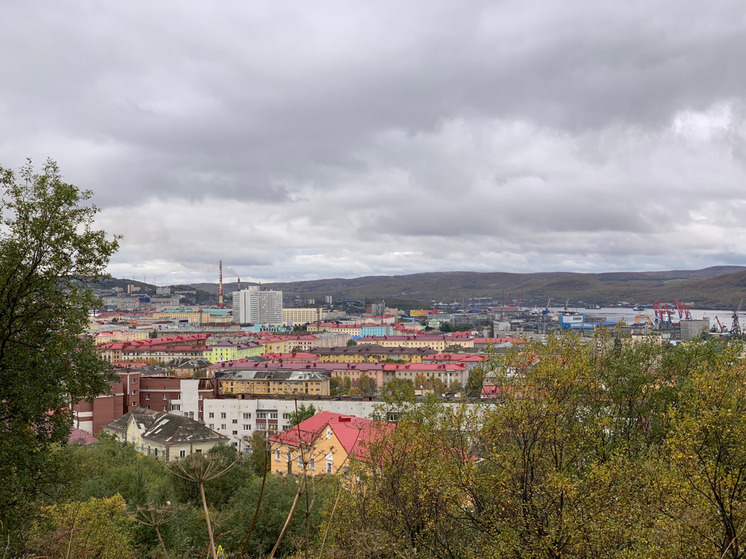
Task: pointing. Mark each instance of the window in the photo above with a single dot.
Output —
(235, 421)
(222, 415)
(246, 427)
(211, 426)
(286, 416)
(222, 426)
(261, 415)
(211, 415)
(234, 432)
(273, 415)
(300, 460)
(147, 396)
(134, 381)
(277, 455)
(289, 457)
(313, 464)
(329, 466)
(165, 396)
(247, 416)
(182, 454)
(200, 396)
(134, 392)
(134, 404)
(165, 408)
(155, 451)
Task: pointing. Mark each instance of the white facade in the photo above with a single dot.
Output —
(238, 419)
(254, 306)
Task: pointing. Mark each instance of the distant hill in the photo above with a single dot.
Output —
(714, 287)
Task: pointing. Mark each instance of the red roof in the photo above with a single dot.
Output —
(353, 432)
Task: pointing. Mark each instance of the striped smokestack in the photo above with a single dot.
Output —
(220, 290)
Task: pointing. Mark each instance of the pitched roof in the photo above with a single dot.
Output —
(78, 436)
(165, 428)
(353, 433)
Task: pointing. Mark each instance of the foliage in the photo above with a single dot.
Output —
(48, 250)
(600, 449)
(95, 528)
(201, 469)
(278, 496)
(367, 385)
(398, 391)
(303, 412)
(107, 468)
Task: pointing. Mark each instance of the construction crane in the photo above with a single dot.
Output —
(735, 329)
(642, 320)
(546, 309)
(720, 324)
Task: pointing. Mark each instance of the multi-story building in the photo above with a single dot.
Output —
(122, 396)
(238, 418)
(382, 373)
(108, 336)
(229, 351)
(373, 353)
(436, 342)
(376, 330)
(295, 316)
(161, 350)
(274, 383)
(132, 391)
(255, 306)
(324, 444)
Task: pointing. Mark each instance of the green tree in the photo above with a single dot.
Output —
(96, 528)
(49, 250)
(398, 391)
(302, 413)
(366, 385)
(708, 460)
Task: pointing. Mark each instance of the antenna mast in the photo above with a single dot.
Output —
(220, 289)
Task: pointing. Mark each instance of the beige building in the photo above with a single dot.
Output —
(300, 316)
(274, 382)
(163, 435)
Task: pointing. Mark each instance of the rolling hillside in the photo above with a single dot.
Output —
(715, 287)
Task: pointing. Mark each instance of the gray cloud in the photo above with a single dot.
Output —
(330, 139)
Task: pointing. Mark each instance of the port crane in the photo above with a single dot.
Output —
(735, 329)
(720, 324)
(683, 310)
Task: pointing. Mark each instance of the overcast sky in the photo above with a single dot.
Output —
(305, 140)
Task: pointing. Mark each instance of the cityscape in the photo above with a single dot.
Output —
(389, 280)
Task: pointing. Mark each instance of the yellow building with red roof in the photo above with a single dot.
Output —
(324, 444)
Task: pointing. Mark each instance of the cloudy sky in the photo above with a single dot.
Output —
(304, 140)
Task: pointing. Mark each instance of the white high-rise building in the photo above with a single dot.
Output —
(257, 307)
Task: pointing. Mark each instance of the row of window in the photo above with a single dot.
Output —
(311, 461)
(247, 415)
